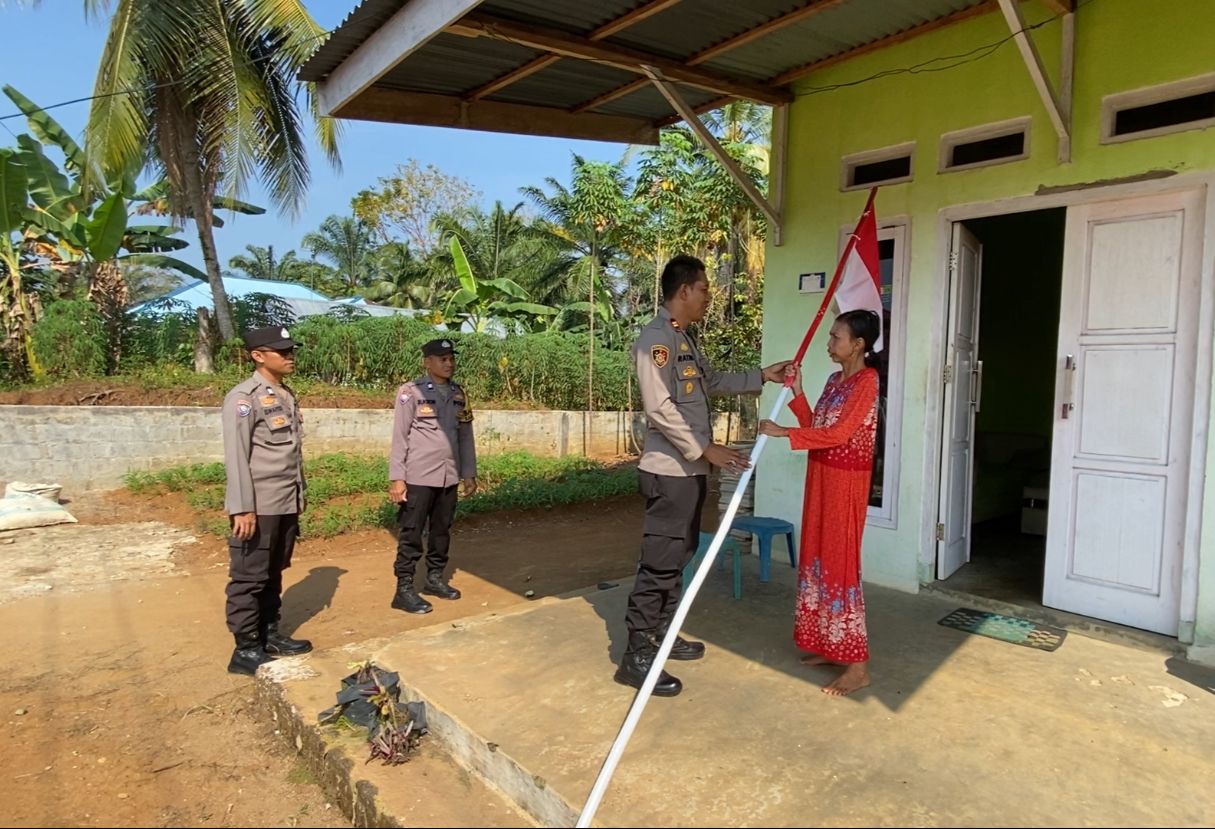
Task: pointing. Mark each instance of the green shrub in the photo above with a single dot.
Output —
(70, 340)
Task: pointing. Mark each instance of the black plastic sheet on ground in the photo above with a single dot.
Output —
(370, 698)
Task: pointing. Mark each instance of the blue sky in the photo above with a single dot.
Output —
(51, 55)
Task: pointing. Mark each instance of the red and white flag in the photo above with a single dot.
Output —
(860, 286)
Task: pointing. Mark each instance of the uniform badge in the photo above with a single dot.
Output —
(688, 371)
(269, 400)
(683, 346)
(660, 355)
(243, 408)
(687, 388)
(278, 422)
(426, 410)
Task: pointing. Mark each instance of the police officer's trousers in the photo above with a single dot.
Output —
(428, 509)
(255, 574)
(670, 535)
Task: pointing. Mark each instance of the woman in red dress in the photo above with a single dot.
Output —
(829, 622)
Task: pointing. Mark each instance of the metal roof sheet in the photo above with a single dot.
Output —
(455, 65)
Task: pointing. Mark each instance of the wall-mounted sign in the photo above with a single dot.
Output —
(812, 283)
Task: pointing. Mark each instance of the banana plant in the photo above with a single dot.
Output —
(480, 300)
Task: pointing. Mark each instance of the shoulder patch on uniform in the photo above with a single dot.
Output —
(404, 398)
(243, 407)
(660, 354)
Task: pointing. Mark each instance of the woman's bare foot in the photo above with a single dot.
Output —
(815, 659)
(854, 678)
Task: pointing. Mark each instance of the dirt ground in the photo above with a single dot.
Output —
(116, 710)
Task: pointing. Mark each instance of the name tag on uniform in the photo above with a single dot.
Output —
(271, 409)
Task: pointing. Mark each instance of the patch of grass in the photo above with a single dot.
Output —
(349, 492)
(301, 775)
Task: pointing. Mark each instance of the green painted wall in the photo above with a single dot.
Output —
(1120, 45)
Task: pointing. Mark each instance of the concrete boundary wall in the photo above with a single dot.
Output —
(92, 447)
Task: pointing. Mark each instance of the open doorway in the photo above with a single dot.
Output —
(993, 529)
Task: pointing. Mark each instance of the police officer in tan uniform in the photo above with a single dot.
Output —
(676, 383)
(432, 451)
(263, 459)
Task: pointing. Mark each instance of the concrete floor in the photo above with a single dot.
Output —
(957, 729)
(1005, 564)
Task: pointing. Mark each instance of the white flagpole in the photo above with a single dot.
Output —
(681, 613)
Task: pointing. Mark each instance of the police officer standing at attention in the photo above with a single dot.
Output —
(676, 384)
(432, 450)
(263, 459)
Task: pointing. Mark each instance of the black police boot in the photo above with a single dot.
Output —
(249, 654)
(435, 586)
(407, 598)
(636, 664)
(279, 644)
(684, 650)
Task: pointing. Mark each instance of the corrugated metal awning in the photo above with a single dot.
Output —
(576, 69)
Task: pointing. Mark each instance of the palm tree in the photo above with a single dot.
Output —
(401, 279)
(345, 241)
(206, 91)
(589, 218)
(505, 244)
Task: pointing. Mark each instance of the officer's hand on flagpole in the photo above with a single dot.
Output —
(775, 373)
(244, 525)
(793, 376)
(773, 430)
(396, 491)
(725, 457)
(470, 487)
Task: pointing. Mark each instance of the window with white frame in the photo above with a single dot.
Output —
(893, 259)
(1159, 110)
(984, 146)
(889, 165)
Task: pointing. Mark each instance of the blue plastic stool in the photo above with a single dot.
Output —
(728, 546)
(764, 529)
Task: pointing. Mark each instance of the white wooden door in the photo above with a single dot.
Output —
(961, 384)
(1123, 409)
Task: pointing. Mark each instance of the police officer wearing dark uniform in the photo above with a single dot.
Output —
(676, 383)
(263, 459)
(432, 451)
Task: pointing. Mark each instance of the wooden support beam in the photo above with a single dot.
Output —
(517, 74)
(635, 16)
(1037, 72)
(700, 109)
(711, 144)
(606, 30)
(1066, 73)
(408, 30)
(1060, 7)
(632, 60)
(799, 72)
(401, 107)
(810, 9)
(611, 95)
(776, 166)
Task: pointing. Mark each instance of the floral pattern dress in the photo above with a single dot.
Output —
(839, 435)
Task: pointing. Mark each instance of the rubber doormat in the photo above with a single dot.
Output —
(1005, 628)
